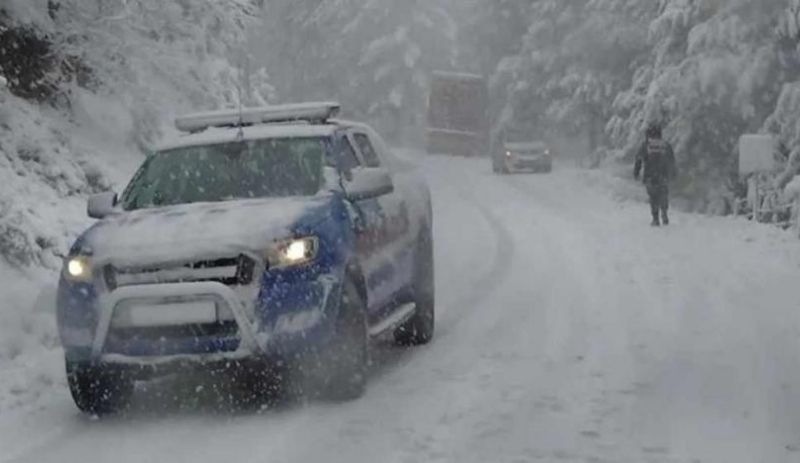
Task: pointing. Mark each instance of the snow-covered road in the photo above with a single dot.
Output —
(569, 330)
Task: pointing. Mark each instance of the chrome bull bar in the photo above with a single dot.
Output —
(175, 292)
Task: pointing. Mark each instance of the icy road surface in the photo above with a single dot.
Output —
(569, 330)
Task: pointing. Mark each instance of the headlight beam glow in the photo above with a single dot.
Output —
(297, 250)
(78, 268)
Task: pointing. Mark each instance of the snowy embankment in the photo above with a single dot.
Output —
(140, 62)
(49, 164)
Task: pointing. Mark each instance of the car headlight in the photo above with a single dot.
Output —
(293, 252)
(78, 268)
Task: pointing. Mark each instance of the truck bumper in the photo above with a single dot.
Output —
(214, 292)
(531, 164)
(254, 337)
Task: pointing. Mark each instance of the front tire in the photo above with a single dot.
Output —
(259, 383)
(498, 165)
(346, 360)
(419, 329)
(99, 390)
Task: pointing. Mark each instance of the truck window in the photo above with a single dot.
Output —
(367, 150)
(349, 160)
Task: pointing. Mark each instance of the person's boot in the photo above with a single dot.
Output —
(664, 218)
(654, 208)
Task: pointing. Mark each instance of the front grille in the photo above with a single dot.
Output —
(210, 338)
(529, 164)
(233, 271)
(220, 329)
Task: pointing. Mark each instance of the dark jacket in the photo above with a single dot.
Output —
(657, 159)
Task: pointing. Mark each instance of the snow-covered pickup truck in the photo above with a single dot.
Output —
(262, 237)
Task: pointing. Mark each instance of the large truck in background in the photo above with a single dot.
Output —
(458, 122)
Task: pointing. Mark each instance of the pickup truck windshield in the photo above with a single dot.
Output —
(228, 171)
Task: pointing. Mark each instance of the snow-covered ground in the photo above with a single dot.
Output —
(569, 330)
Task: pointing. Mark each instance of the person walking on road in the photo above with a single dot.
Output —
(657, 159)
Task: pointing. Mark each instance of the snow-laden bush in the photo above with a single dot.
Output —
(793, 188)
(34, 69)
(785, 123)
(792, 194)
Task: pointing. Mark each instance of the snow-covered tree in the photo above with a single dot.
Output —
(785, 120)
(398, 45)
(712, 75)
(375, 55)
(490, 30)
(110, 75)
(708, 70)
(294, 43)
(575, 57)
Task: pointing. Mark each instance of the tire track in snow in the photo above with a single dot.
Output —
(388, 359)
(499, 268)
(690, 331)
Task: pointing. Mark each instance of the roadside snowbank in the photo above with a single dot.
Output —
(49, 163)
(30, 358)
(147, 61)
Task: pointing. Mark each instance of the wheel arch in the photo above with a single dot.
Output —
(354, 272)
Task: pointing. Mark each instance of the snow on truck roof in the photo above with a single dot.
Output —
(308, 112)
(301, 120)
(226, 135)
(457, 76)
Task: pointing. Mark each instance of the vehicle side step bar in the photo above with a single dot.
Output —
(394, 320)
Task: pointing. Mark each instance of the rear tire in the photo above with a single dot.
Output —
(99, 390)
(419, 329)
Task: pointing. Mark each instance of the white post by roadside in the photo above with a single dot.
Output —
(754, 197)
(756, 156)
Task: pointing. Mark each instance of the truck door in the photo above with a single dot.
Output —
(386, 262)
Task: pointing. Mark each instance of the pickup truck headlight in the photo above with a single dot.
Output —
(293, 252)
(78, 268)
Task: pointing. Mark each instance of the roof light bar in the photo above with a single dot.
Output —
(310, 112)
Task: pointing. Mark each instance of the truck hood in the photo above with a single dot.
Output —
(195, 231)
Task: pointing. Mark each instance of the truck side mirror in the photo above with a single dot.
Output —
(369, 182)
(101, 205)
